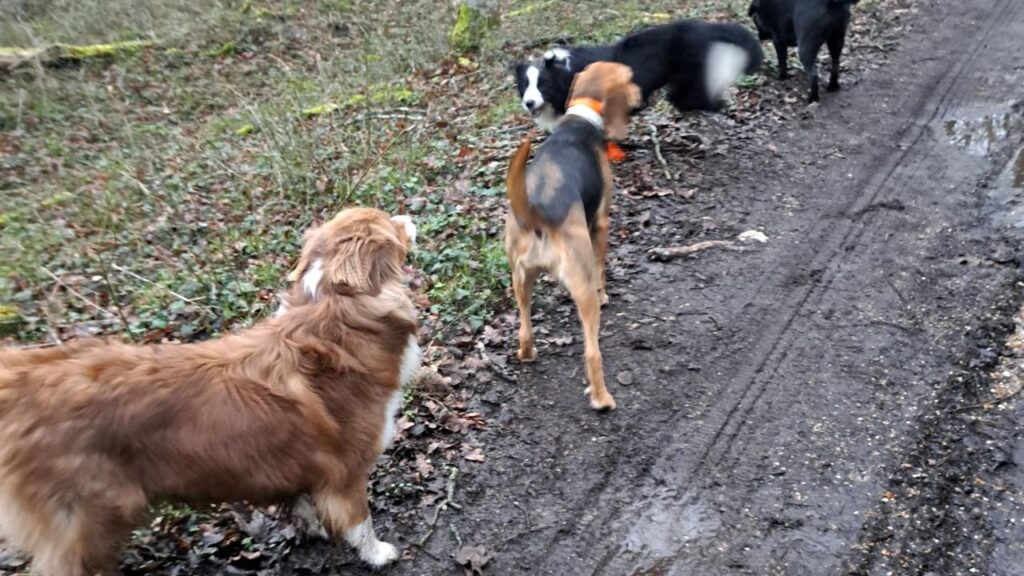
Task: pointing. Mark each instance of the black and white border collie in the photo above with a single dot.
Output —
(696, 61)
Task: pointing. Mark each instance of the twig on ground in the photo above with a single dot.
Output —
(137, 182)
(678, 251)
(657, 150)
(105, 272)
(381, 154)
(77, 294)
(50, 329)
(990, 403)
(527, 531)
(455, 532)
(500, 373)
(430, 554)
(448, 502)
(195, 301)
(283, 64)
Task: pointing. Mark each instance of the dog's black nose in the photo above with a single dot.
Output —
(530, 104)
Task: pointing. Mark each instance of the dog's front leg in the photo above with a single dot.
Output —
(782, 54)
(580, 276)
(835, 51)
(809, 58)
(346, 510)
(589, 309)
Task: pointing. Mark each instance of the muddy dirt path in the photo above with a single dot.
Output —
(775, 401)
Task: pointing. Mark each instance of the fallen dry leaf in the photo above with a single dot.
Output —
(423, 466)
(472, 559)
(461, 423)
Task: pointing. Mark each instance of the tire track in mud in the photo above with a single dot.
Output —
(888, 179)
(777, 342)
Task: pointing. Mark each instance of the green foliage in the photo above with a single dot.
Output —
(470, 271)
(471, 27)
(171, 191)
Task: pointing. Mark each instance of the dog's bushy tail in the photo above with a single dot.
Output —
(741, 37)
(732, 52)
(516, 184)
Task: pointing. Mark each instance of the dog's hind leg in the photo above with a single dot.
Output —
(81, 534)
(523, 280)
(835, 50)
(809, 59)
(82, 543)
(347, 511)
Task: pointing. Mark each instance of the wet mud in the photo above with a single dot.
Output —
(830, 401)
(821, 403)
(816, 404)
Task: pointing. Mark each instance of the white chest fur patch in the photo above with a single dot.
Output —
(410, 361)
(406, 372)
(387, 436)
(311, 279)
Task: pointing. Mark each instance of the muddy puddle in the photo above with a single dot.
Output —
(990, 131)
(984, 131)
(662, 528)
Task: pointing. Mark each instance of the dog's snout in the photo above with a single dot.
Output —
(530, 104)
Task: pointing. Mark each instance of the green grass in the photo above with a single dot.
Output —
(168, 188)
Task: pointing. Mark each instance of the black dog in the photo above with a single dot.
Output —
(696, 61)
(806, 24)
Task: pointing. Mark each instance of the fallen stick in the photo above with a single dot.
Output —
(186, 299)
(449, 501)
(75, 293)
(657, 151)
(679, 251)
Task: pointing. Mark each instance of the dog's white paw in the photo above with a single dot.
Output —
(378, 554)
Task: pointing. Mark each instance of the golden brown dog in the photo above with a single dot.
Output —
(559, 209)
(91, 433)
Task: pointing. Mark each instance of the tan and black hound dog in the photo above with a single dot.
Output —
(559, 208)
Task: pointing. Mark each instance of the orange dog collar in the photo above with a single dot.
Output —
(591, 103)
(615, 153)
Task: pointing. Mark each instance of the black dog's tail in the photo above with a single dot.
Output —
(733, 51)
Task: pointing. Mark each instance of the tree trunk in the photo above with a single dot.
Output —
(474, 19)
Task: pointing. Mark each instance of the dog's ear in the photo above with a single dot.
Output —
(518, 69)
(621, 96)
(365, 262)
(557, 57)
